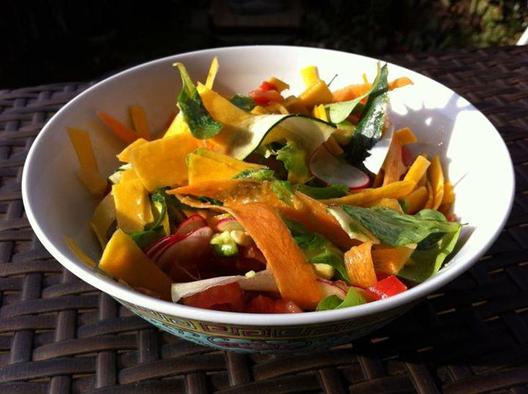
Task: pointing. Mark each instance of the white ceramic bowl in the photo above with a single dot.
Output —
(57, 204)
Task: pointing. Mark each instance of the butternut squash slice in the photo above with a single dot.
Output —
(416, 200)
(132, 203)
(123, 259)
(126, 154)
(88, 172)
(359, 265)
(139, 120)
(393, 166)
(205, 165)
(436, 176)
(368, 196)
(161, 162)
(390, 260)
(103, 218)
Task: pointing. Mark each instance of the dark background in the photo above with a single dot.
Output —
(58, 40)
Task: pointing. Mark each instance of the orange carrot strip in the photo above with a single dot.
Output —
(139, 120)
(400, 83)
(123, 259)
(295, 277)
(120, 130)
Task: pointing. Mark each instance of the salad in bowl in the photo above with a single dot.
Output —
(270, 202)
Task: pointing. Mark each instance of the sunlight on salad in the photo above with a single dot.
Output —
(262, 203)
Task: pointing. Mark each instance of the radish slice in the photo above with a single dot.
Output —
(191, 224)
(229, 224)
(332, 170)
(177, 254)
(261, 281)
(329, 288)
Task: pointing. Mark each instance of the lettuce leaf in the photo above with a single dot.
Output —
(317, 249)
(294, 159)
(396, 229)
(338, 112)
(166, 205)
(321, 193)
(370, 127)
(429, 256)
(202, 125)
(352, 298)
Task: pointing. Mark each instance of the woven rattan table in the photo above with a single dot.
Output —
(58, 334)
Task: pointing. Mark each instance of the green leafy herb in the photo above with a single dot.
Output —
(338, 112)
(283, 190)
(164, 205)
(428, 257)
(172, 205)
(243, 102)
(396, 229)
(370, 126)
(353, 227)
(317, 249)
(353, 298)
(224, 245)
(294, 159)
(147, 237)
(260, 174)
(210, 200)
(200, 122)
(320, 193)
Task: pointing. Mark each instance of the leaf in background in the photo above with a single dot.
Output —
(370, 127)
(396, 229)
(202, 125)
(317, 249)
(353, 298)
(294, 159)
(321, 193)
(338, 112)
(243, 102)
(427, 261)
(259, 174)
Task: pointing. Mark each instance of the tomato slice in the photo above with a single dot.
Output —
(265, 97)
(385, 288)
(264, 304)
(265, 86)
(228, 297)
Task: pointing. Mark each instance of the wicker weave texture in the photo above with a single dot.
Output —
(59, 335)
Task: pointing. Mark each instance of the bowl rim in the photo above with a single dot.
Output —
(131, 296)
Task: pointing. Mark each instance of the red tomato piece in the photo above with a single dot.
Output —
(452, 217)
(228, 297)
(385, 288)
(264, 304)
(262, 97)
(265, 86)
